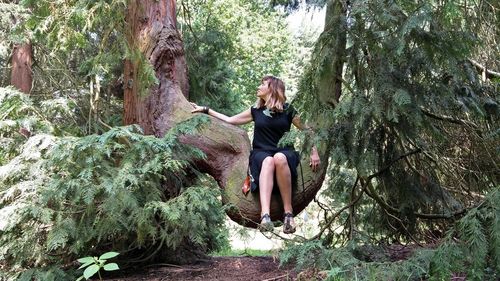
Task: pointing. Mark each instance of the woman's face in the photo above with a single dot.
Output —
(263, 90)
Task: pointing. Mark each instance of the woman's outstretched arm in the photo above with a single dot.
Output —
(314, 161)
(238, 119)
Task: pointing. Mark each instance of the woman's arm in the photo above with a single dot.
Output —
(238, 119)
(314, 161)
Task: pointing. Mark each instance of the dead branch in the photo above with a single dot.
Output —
(332, 218)
(489, 73)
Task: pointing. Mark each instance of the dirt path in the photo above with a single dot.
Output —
(217, 268)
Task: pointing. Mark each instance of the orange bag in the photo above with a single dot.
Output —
(246, 185)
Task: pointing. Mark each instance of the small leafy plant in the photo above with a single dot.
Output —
(93, 265)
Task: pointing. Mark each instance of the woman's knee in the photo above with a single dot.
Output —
(268, 163)
(280, 159)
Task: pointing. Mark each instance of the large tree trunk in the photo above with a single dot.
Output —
(154, 35)
(21, 75)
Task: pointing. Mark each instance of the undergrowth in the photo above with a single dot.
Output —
(63, 196)
(471, 249)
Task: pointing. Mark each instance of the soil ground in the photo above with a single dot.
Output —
(254, 268)
(216, 268)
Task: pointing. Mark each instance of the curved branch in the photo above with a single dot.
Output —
(370, 191)
(418, 150)
(330, 221)
(489, 73)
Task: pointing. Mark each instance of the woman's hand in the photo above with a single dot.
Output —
(197, 108)
(314, 162)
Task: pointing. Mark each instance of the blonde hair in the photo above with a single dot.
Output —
(277, 97)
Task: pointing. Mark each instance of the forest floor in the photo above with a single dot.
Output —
(246, 268)
(216, 268)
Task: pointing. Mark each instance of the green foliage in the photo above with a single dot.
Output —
(228, 252)
(230, 46)
(11, 15)
(291, 5)
(412, 133)
(314, 254)
(87, 35)
(473, 246)
(341, 264)
(411, 108)
(470, 249)
(93, 265)
(63, 197)
(22, 116)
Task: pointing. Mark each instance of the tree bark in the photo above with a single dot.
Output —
(21, 75)
(154, 36)
(330, 76)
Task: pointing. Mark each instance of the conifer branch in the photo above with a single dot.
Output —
(370, 191)
(404, 227)
(418, 150)
(448, 118)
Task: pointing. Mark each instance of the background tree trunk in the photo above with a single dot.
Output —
(21, 75)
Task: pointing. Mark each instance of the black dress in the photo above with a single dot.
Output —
(269, 129)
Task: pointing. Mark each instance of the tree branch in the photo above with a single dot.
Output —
(489, 73)
(448, 118)
(332, 218)
(418, 150)
(370, 191)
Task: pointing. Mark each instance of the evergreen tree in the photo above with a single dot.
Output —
(396, 96)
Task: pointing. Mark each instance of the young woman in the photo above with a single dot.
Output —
(270, 164)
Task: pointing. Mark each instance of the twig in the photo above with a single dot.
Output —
(418, 150)
(163, 264)
(404, 227)
(370, 191)
(332, 218)
(276, 278)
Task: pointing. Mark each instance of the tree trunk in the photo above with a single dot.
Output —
(21, 75)
(153, 34)
(330, 76)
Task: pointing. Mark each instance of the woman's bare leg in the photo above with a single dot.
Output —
(266, 182)
(284, 178)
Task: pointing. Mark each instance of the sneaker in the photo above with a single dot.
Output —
(266, 225)
(288, 224)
